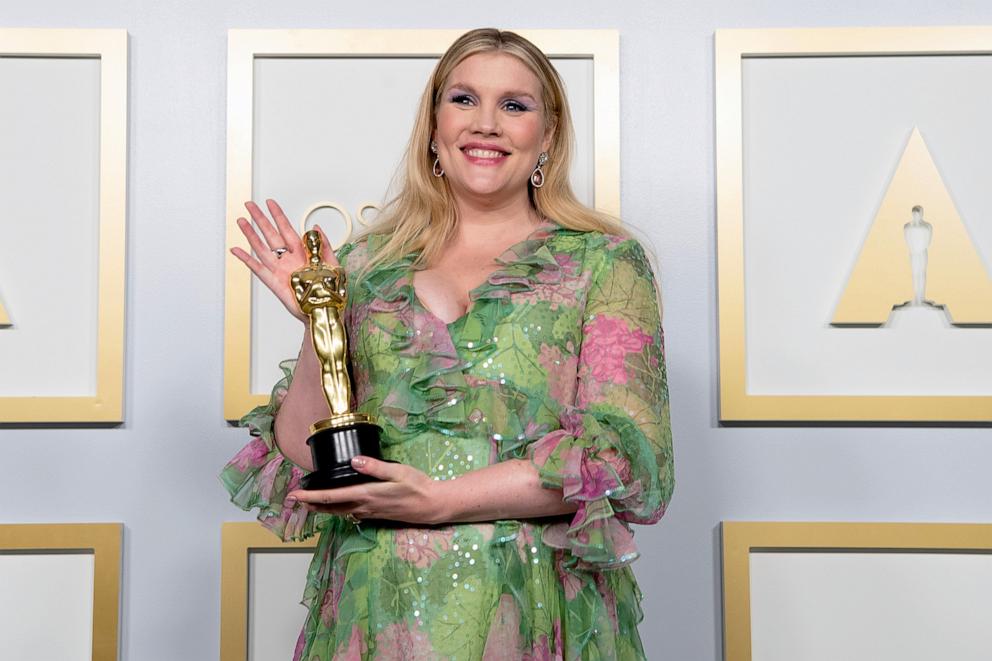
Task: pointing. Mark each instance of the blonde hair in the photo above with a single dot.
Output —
(422, 215)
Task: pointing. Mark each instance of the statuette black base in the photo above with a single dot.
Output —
(332, 450)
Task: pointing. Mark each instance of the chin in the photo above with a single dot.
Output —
(492, 194)
(482, 187)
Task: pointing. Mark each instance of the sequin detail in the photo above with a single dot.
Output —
(559, 361)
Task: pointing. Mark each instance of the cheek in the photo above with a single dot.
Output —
(530, 134)
(448, 123)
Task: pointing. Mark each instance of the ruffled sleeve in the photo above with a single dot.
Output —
(260, 476)
(613, 455)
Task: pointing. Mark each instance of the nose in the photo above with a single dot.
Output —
(486, 120)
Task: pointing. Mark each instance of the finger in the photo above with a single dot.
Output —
(265, 226)
(331, 497)
(340, 510)
(263, 252)
(326, 249)
(382, 470)
(253, 264)
(291, 240)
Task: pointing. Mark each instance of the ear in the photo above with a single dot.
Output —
(549, 134)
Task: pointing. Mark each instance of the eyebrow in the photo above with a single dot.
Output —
(509, 93)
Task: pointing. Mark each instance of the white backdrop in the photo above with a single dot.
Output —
(334, 130)
(822, 139)
(870, 606)
(274, 609)
(46, 606)
(50, 187)
(157, 472)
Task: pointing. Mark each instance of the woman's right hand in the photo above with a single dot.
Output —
(275, 270)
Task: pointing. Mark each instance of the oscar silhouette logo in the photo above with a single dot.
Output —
(322, 294)
(944, 271)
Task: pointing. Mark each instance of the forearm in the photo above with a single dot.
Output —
(506, 490)
(304, 404)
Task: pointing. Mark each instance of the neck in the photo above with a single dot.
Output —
(488, 221)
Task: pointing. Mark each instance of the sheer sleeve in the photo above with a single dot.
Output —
(613, 455)
(260, 476)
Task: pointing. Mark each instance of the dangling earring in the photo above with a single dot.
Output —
(437, 170)
(537, 176)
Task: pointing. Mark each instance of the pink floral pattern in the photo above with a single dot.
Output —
(555, 296)
(399, 642)
(253, 455)
(504, 635)
(354, 649)
(561, 368)
(541, 651)
(559, 361)
(421, 546)
(607, 343)
(572, 582)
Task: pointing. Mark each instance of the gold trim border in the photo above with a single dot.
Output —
(602, 46)
(731, 47)
(110, 46)
(104, 540)
(238, 541)
(741, 538)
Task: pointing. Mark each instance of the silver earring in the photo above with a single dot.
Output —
(437, 170)
(537, 176)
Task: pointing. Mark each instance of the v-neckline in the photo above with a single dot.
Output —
(429, 312)
(501, 265)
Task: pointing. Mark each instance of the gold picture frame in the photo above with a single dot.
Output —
(110, 46)
(732, 47)
(238, 541)
(244, 46)
(741, 539)
(103, 540)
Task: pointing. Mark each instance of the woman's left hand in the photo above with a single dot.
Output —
(402, 493)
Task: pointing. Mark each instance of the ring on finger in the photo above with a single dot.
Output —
(280, 252)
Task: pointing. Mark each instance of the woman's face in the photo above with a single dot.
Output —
(491, 128)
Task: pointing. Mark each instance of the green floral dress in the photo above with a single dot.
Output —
(560, 359)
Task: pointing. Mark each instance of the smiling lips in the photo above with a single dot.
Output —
(484, 154)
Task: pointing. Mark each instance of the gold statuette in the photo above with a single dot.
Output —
(321, 291)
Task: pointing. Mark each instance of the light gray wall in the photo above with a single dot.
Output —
(157, 472)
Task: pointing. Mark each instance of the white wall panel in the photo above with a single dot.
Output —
(275, 614)
(50, 187)
(46, 606)
(334, 129)
(157, 473)
(822, 138)
(870, 606)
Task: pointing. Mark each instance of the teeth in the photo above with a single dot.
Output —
(483, 153)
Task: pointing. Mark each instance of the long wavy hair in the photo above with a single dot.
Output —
(422, 216)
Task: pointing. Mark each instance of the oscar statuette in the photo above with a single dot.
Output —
(322, 294)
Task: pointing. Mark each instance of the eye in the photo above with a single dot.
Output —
(462, 99)
(515, 106)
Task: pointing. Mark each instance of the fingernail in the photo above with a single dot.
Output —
(290, 500)
(358, 461)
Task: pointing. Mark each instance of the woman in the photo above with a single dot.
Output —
(504, 335)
